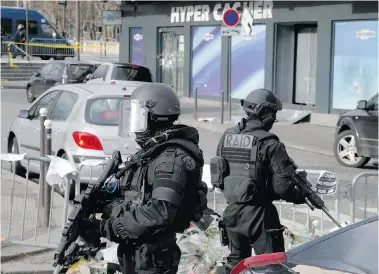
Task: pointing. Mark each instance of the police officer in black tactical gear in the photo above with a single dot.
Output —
(162, 194)
(253, 169)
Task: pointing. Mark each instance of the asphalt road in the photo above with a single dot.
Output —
(14, 100)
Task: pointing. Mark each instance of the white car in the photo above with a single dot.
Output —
(84, 126)
(119, 74)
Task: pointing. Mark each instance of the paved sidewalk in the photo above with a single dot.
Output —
(304, 136)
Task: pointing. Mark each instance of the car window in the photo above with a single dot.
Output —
(46, 69)
(374, 103)
(64, 106)
(100, 72)
(103, 111)
(131, 73)
(79, 72)
(6, 26)
(32, 26)
(56, 71)
(45, 102)
(46, 30)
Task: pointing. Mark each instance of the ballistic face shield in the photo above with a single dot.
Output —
(133, 117)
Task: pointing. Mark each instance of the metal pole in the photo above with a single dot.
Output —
(47, 193)
(230, 76)
(222, 107)
(42, 119)
(64, 19)
(78, 29)
(105, 42)
(26, 27)
(196, 103)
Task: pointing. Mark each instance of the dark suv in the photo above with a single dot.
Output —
(357, 134)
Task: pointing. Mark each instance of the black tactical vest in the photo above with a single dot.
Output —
(137, 188)
(246, 178)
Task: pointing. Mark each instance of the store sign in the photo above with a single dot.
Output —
(365, 34)
(204, 13)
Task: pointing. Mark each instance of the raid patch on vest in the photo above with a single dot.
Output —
(239, 141)
(189, 163)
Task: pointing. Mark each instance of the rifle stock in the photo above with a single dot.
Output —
(311, 197)
(85, 206)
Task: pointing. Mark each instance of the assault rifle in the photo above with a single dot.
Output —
(86, 205)
(311, 198)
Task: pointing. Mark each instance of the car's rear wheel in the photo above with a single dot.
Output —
(62, 188)
(345, 150)
(29, 95)
(16, 166)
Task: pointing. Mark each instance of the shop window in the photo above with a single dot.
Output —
(355, 63)
(33, 27)
(206, 60)
(136, 46)
(248, 62)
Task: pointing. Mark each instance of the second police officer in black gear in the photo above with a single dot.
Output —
(253, 169)
(168, 186)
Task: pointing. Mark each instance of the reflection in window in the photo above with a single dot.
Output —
(45, 102)
(136, 46)
(355, 62)
(64, 105)
(104, 111)
(206, 60)
(47, 30)
(248, 62)
(33, 27)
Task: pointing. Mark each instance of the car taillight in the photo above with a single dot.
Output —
(113, 82)
(260, 260)
(86, 140)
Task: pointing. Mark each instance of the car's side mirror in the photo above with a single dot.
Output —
(23, 114)
(362, 104)
(38, 74)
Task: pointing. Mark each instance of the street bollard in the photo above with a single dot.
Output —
(196, 103)
(101, 47)
(222, 107)
(81, 45)
(48, 151)
(42, 119)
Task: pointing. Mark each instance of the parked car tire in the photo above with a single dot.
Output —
(29, 95)
(345, 150)
(16, 166)
(72, 187)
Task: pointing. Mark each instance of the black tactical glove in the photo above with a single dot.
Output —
(107, 230)
(89, 230)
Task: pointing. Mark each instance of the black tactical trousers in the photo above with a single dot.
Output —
(155, 258)
(264, 233)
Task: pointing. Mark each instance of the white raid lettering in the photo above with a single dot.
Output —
(239, 141)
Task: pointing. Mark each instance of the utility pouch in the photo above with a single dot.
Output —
(219, 170)
(224, 240)
(240, 190)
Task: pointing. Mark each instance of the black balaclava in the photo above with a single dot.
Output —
(154, 126)
(267, 117)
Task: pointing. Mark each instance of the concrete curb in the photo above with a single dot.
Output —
(22, 255)
(12, 87)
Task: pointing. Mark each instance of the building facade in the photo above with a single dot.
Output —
(319, 56)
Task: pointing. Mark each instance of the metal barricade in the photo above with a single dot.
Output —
(353, 197)
(47, 48)
(26, 224)
(296, 217)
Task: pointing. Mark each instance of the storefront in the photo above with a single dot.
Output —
(321, 56)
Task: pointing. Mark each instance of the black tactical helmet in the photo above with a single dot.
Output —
(161, 100)
(261, 99)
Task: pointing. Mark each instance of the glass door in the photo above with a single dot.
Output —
(171, 58)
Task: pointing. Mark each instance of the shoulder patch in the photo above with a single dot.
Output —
(189, 163)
